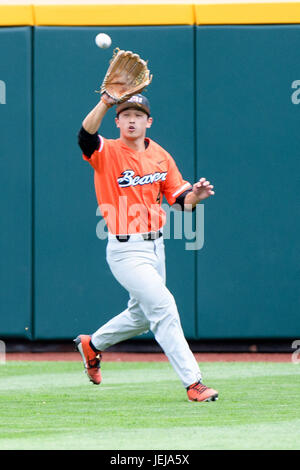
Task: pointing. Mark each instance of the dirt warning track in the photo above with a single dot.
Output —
(151, 357)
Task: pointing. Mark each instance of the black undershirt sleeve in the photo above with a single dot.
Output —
(88, 142)
(181, 197)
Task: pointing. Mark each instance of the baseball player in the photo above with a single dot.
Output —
(131, 175)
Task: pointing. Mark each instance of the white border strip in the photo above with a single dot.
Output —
(101, 143)
(186, 185)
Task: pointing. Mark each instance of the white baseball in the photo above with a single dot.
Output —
(103, 40)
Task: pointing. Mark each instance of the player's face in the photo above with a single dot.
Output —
(133, 123)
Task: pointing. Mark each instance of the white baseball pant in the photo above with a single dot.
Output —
(139, 266)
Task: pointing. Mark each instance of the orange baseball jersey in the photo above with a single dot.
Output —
(130, 185)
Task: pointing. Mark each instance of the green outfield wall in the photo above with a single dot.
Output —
(225, 104)
(248, 142)
(16, 181)
(74, 288)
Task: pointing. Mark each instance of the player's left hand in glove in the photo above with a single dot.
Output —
(126, 76)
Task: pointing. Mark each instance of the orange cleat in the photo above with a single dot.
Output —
(91, 359)
(199, 392)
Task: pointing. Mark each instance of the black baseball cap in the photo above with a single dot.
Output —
(136, 101)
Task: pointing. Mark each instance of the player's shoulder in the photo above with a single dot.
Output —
(107, 144)
(159, 149)
(111, 142)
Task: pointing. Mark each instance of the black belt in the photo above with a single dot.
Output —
(146, 236)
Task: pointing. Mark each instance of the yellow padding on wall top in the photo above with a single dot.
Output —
(151, 12)
(122, 14)
(16, 15)
(248, 13)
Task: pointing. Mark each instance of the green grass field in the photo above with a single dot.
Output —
(48, 405)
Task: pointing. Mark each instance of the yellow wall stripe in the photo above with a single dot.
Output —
(16, 15)
(148, 14)
(248, 13)
(104, 15)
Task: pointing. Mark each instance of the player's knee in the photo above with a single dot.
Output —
(166, 325)
(141, 323)
(165, 311)
(164, 302)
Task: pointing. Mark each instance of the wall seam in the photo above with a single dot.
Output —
(195, 174)
(32, 192)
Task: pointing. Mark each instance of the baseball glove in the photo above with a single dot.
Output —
(126, 76)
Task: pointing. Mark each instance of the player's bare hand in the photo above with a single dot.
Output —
(203, 189)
